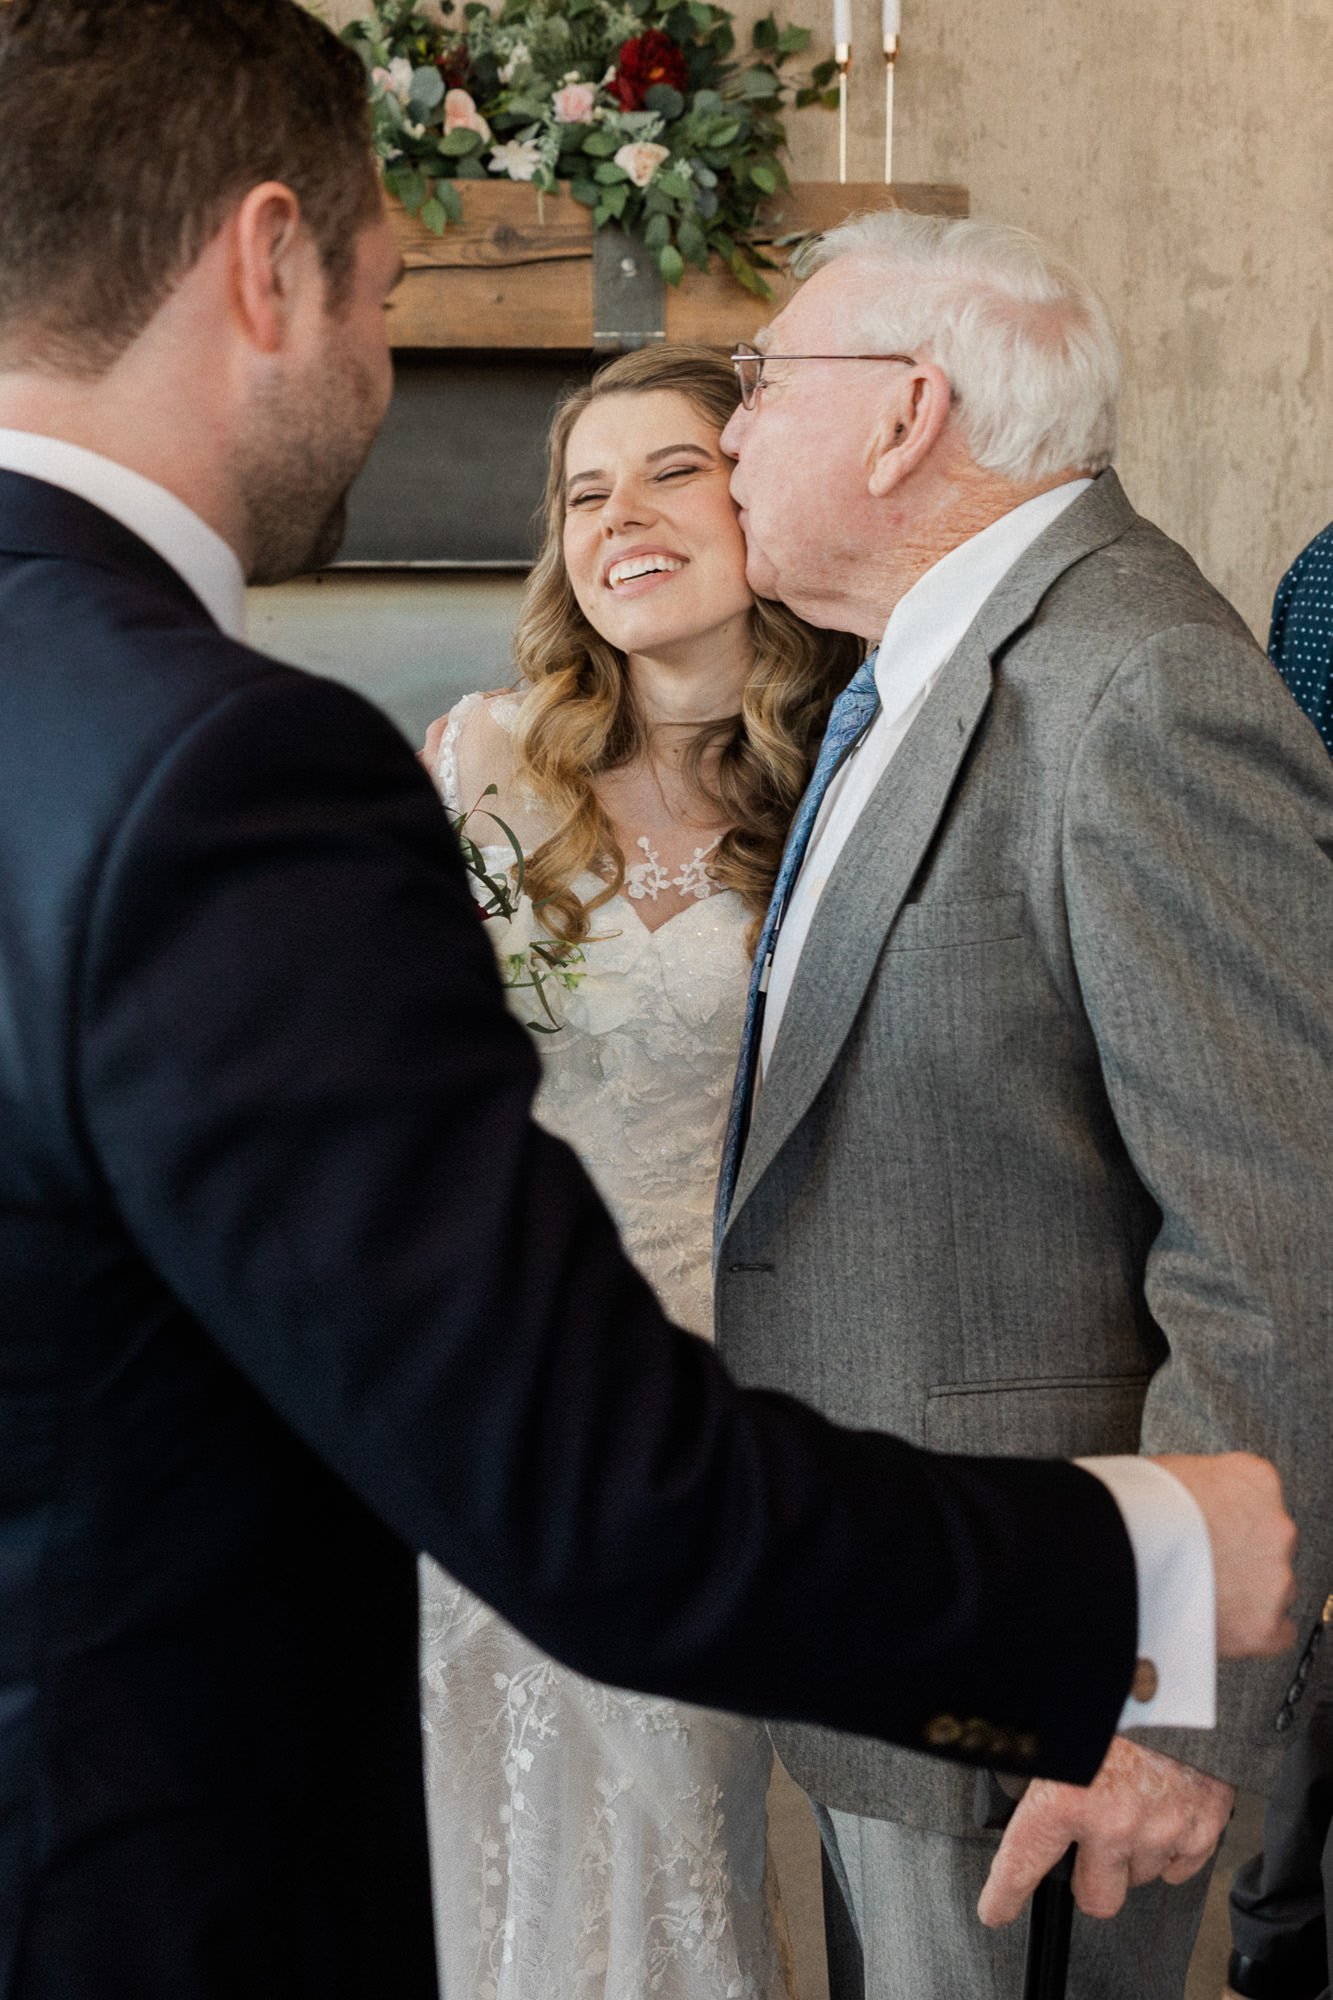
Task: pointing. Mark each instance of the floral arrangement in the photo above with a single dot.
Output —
(547, 967)
(640, 106)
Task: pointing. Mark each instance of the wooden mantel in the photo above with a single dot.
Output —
(517, 272)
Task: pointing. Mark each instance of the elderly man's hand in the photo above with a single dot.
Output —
(1143, 1815)
(1253, 1540)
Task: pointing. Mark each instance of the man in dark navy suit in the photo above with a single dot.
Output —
(292, 1286)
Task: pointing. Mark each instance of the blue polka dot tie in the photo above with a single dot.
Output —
(851, 715)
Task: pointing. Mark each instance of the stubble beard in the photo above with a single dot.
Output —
(300, 453)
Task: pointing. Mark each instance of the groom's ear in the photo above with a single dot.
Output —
(909, 423)
(273, 260)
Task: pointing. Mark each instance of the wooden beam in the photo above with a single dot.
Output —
(517, 271)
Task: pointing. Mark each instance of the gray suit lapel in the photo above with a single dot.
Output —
(875, 869)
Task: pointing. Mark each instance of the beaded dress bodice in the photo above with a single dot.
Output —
(639, 1077)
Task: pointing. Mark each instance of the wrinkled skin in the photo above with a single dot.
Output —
(1143, 1816)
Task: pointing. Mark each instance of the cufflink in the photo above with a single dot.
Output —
(1144, 1684)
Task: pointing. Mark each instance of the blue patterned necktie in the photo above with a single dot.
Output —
(851, 714)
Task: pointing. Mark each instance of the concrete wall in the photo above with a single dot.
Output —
(413, 643)
(1182, 154)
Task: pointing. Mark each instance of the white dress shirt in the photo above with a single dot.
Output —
(1172, 1555)
(172, 530)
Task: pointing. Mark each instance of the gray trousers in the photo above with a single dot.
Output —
(911, 1931)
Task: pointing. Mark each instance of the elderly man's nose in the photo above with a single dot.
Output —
(730, 440)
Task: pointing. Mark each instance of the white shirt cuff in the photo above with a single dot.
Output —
(1177, 1614)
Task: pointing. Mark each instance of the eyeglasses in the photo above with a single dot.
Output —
(749, 364)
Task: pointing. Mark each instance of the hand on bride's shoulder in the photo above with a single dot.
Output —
(471, 746)
(429, 752)
(451, 731)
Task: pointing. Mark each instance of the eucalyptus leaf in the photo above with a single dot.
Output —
(427, 89)
(764, 34)
(606, 172)
(759, 82)
(410, 188)
(671, 264)
(471, 169)
(587, 192)
(657, 232)
(450, 200)
(661, 98)
(456, 144)
(433, 215)
(765, 178)
(600, 144)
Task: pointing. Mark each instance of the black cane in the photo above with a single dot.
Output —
(1050, 1920)
(1051, 1912)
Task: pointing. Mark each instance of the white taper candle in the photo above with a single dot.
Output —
(842, 20)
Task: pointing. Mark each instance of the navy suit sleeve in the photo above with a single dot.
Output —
(311, 1109)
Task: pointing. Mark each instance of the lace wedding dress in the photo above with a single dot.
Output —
(589, 1844)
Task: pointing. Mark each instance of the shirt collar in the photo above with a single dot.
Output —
(927, 623)
(172, 530)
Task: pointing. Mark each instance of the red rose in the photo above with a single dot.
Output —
(645, 60)
(456, 69)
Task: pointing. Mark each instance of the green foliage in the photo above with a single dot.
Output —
(713, 120)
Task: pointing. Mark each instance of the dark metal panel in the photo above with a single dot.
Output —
(458, 469)
(629, 303)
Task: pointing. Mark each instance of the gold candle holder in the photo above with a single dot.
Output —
(842, 56)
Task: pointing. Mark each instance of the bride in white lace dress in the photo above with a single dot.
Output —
(587, 1843)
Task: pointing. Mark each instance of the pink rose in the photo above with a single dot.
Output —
(462, 115)
(574, 104)
(641, 161)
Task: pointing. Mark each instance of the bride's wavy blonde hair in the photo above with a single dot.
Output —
(581, 719)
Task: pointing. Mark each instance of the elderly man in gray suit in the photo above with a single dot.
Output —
(1031, 1146)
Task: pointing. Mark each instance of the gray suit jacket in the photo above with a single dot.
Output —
(1042, 1159)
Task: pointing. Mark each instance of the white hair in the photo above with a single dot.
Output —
(1025, 342)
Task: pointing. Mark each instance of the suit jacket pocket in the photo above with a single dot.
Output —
(1056, 1417)
(931, 926)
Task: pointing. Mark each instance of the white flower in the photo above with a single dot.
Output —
(640, 161)
(396, 79)
(519, 158)
(600, 1003)
(519, 54)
